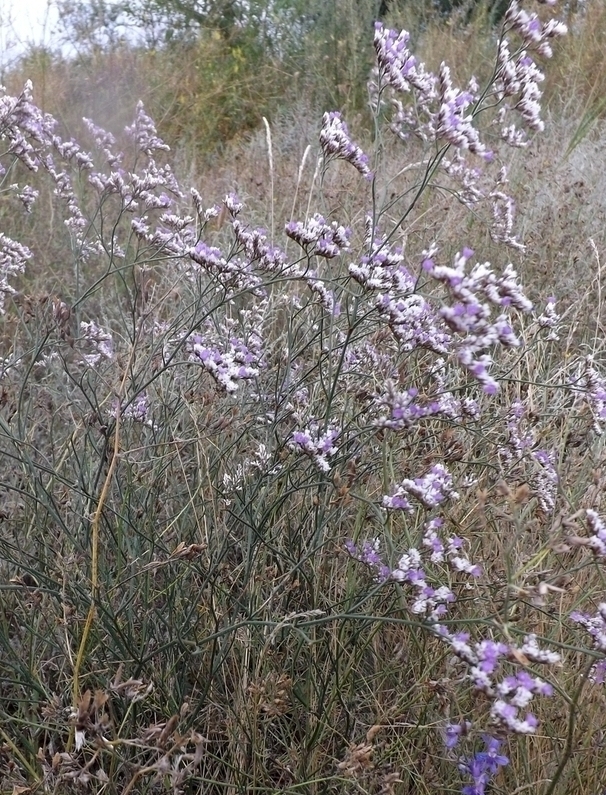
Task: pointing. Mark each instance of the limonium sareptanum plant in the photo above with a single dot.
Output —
(345, 378)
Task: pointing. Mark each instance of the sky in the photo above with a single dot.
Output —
(23, 22)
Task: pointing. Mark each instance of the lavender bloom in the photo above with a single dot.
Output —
(209, 257)
(501, 230)
(535, 34)
(514, 692)
(101, 341)
(410, 317)
(503, 290)
(403, 408)
(518, 442)
(397, 502)
(519, 77)
(13, 257)
(468, 178)
(483, 766)
(27, 196)
(597, 675)
(376, 269)
(594, 393)
(470, 316)
(458, 561)
(597, 541)
(451, 123)
(326, 296)
(335, 141)
(431, 490)
(545, 482)
(454, 731)
(137, 410)
(230, 363)
(550, 319)
(369, 554)
(529, 105)
(318, 446)
(144, 132)
(398, 68)
(596, 525)
(533, 652)
(430, 602)
(327, 240)
(595, 626)
(104, 141)
(233, 204)
(254, 241)
(27, 130)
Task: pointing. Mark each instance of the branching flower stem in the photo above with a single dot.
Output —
(96, 521)
(568, 749)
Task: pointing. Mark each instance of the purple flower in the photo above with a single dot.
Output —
(452, 123)
(431, 490)
(592, 386)
(369, 553)
(319, 446)
(335, 141)
(144, 132)
(398, 68)
(328, 240)
(483, 766)
(454, 731)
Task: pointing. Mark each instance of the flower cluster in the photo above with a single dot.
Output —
(452, 124)
(597, 541)
(231, 351)
(410, 316)
(535, 34)
(397, 66)
(375, 270)
(232, 273)
(336, 142)
(483, 766)
(319, 445)
(519, 447)
(144, 133)
(450, 550)
(550, 319)
(592, 387)
(259, 460)
(138, 410)
(100, 340)
(227, 367)
(406, 408)
(323, 239)
(513, 693)
(430, 602)
(596, 627)
(431, 490)
(369, 553)
(470, 316)
(13, 257)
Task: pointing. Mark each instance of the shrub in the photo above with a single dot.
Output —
(271, 521)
